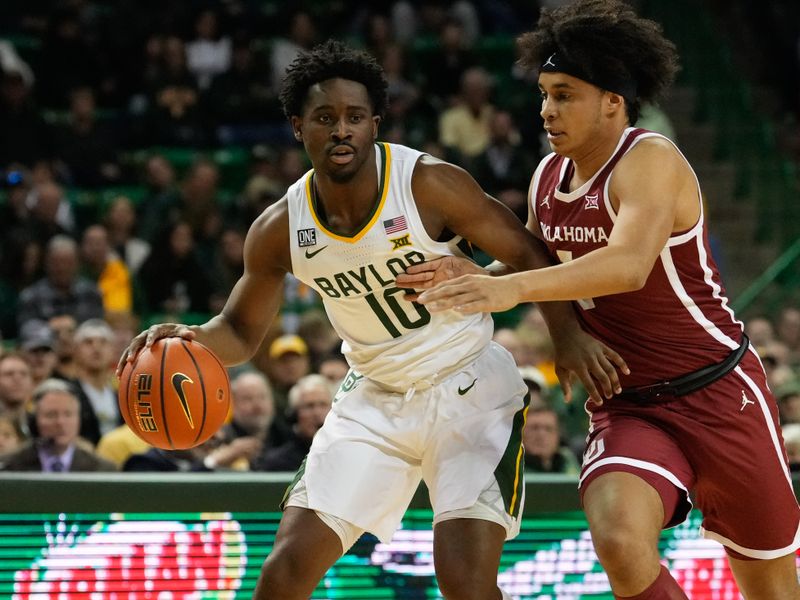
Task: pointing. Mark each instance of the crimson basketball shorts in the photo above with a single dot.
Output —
(722, 443)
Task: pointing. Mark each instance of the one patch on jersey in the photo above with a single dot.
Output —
(394, 225)
(401, 241)
(592, 202)
(306, 237)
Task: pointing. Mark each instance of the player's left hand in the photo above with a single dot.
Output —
(578, 354)
(424, 276)
(472, 294)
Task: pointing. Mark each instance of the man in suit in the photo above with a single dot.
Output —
(56, 447)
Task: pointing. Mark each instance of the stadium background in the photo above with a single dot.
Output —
(734, 110)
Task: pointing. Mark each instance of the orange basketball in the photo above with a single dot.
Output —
(175, 395)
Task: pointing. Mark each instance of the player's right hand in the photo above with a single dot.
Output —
(148, 337)
(424, 276)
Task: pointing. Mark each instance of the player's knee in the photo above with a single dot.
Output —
(622, 546)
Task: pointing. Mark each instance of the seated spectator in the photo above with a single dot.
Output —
(156, 459)
(50, 212)
(95, 383)
(537, 387)
(209, 53)
(253, 427)
(119, 444)
(159, 179)
(86, 150)
(791, 440)
(63, 328)
(104, 266)
(56, 447)
(788, 396)
(334, 368)
(788, 332)
(760, 331)
(541, 438)
(310, 401)
(288, 362)
(466, 126)
(37, 343)
(451, 59)
(24, 135)
(174, 277)
(16, 390)
(11, 435)
(62, 291)
(120, 222)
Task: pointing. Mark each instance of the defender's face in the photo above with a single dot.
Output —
(337, 127)
(571, 109)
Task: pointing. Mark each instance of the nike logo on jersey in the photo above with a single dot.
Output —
(178, 379)
(462, 391)
(310, 254)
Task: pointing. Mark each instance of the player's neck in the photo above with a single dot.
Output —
(589, 159)
(346, 205)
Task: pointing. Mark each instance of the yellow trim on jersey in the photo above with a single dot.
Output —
(383, 188)
(518, 469)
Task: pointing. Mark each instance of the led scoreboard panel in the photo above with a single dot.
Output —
(175, 555)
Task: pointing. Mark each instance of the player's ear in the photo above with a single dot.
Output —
(615, 102)
(297, 128)
(376, 120)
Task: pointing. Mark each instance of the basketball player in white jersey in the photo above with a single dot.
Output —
(622, 211)
(428, 397)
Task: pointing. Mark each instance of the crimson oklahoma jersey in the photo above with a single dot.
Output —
(680, 318)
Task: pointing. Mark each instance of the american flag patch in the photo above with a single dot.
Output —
(395, 225)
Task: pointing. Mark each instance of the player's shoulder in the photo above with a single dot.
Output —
(271, 225)
(436, 175)
(651, 152)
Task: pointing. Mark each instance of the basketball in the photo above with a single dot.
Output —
(174, 395)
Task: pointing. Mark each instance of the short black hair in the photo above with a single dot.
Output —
(330, 60)
(610, 41)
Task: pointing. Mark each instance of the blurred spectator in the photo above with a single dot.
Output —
(465, 127)
(377, 35)
(407, 120)
(542, 441)
(209, 53)
(788, 331)
(95, 382)
(67, 59)
(37, 343)
(253, 427)
(20, 267)
(24, 135)
(788, 396)
(503, 169)
(228, 264)
(443, 73)
(125, 327)
(63, 328)
(119, 444)
(86, 150)
(62, 291)
(120, 222)
(302, 35)
(103, 266)
(334, 368)
(241, 103)
(537, 387)
(11, 436)
(760, 331)
(310, 401)
(174, 276)
(156, 459)
(174, 100)
(791, 440)
(16, 389)
(288, 363)
(16, 183)
(50, 212)
(56, 448)
(159, 178)
(511, 341)
(318, 334)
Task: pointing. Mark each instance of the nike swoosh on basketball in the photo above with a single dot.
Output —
(462, 391)
(314, 253)
(178, 380)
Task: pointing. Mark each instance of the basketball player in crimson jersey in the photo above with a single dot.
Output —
(428, 396)
(620, 211)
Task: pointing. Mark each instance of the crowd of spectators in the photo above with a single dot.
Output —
(139, 140)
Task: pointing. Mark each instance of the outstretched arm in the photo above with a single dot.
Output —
(448, 197)
(235, 334)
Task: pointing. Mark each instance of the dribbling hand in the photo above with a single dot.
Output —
(148, 337)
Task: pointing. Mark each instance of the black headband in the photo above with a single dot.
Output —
(624, 86)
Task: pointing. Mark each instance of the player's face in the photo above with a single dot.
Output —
(337, 127)
(571, 109)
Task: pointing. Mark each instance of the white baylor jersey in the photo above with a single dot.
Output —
(394, 342)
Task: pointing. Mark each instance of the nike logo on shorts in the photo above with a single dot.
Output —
(314, 253)
(462, 391)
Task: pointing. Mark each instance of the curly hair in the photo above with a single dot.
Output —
(330, 60)
(610, 42)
